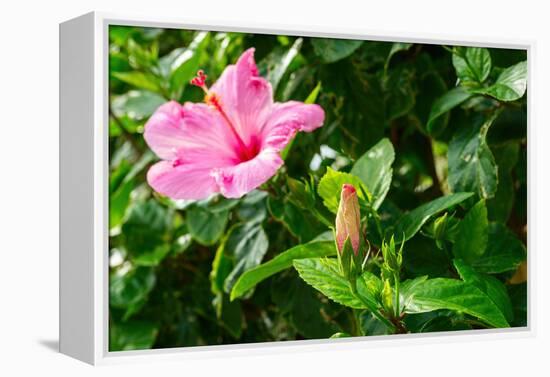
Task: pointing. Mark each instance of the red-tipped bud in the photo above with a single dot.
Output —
(348, 219)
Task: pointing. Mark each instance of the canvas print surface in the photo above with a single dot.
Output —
(267, 188)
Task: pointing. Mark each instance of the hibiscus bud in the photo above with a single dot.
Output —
(348, 221)
(387, 296)
(392, 258)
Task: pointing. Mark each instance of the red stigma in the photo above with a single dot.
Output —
(200, 80)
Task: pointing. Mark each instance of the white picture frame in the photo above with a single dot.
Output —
(84, 197)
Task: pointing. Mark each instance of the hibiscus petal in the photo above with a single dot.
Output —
(235, 181)
(181, 181)
(245, 96)
(175, 131)
(288, 118)
(163, 132)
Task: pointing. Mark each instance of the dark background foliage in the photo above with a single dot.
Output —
(173, 264)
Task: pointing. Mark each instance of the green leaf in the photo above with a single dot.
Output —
(275, 65)
(229, 314)
(371, 325)
(332, 50)
(400, 92)
(139, 80)
(492, 287)
(137, 104)
(129, 289)
(444, 104)
(410, 223)
(300, 223)
(301, 193)
(306, 314)
(395, 48)
(322, 274)
(121, 184)
(312, 97)
(184, 63)
(364, 104)
(146, 232)
(253, 207)
(442, 293)
(511, 84)
(505, 251)
(330, 187)
(276, 207)
(369, 287)
(204, 226)
(153, 257)
(444, 323)
(518, 296)
(430, 87)
(472, 63)
(500, 207)
(281, 262)
(472, 166)
(471, 239)
(422, 257)
(246, 245)
(118, 203)
(407, 291)
(340, 335)
(142, 57)
(134, 335)
(182, 243)
(218, 203)
(221, 268)
(374, 168)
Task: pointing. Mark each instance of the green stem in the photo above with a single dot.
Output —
(378, 224)
(376, 217)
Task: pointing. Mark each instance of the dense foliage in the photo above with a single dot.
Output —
(434, 139)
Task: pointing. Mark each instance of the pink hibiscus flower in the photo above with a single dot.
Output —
(231, 143)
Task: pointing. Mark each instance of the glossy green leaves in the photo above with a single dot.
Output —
(446, 103)
(282, 261)
(452, 294)
(206, 227)
(472, 235)
(374, 168)
(472, 64)
(491, 286)
(324, 275)
(146, 232)
(434, 139)
(505, 251)
(510, 85)
(410, 223)
(472, 166)
(332, 50)
(331, 185)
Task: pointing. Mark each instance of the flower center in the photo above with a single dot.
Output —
(245, 152)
